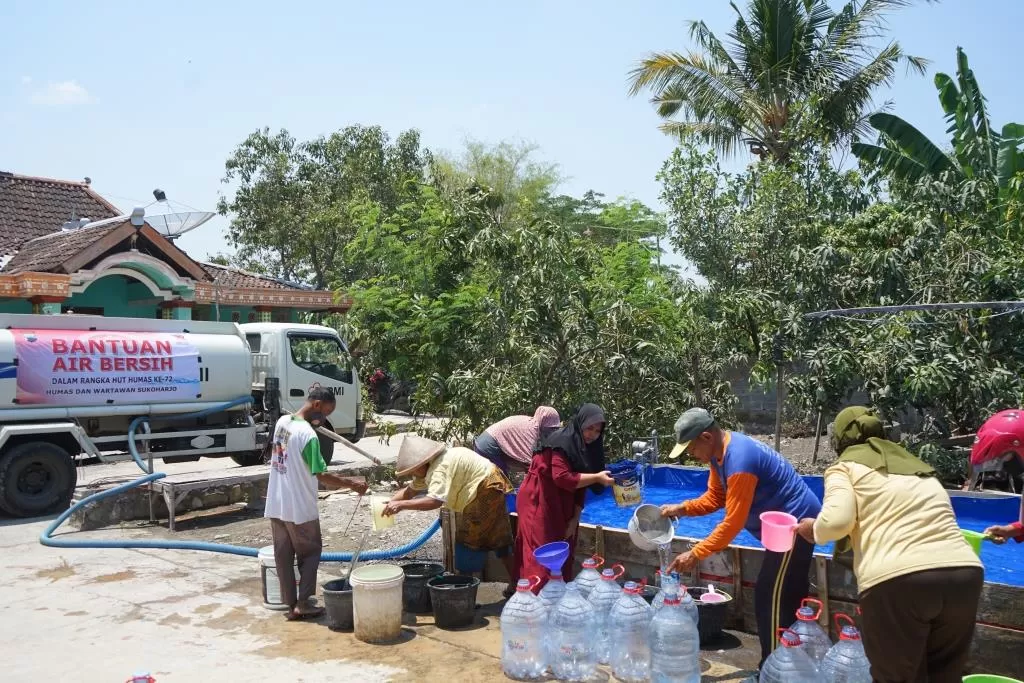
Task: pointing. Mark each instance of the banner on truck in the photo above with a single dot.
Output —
(77, 367)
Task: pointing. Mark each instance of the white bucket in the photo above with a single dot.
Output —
(377, 602)
(271, 584)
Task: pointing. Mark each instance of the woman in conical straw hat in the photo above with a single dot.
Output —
(463, 481)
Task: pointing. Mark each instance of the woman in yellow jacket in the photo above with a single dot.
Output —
(919, 582)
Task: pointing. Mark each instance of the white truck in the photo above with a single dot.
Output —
(71, 385)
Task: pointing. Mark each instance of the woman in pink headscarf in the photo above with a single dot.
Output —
(510, 443)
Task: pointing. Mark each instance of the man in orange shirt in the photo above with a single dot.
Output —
(747, 478)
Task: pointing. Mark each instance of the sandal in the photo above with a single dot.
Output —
(304, 614)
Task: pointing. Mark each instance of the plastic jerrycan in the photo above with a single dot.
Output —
(675, 644)
(589, 575)
(846, 662)
(523, 618)
(816, 641)
(571, 653)
(789, 663)
(604, 595)
(629, 620)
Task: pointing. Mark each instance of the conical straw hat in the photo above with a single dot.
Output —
(416, 451)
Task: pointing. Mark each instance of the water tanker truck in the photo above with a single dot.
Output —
(70, 387)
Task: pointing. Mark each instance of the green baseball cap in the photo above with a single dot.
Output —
(689, 426)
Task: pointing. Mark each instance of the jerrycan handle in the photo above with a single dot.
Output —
(598, 560)
(840, 617)
(619, 571)
(816, 603)
(534, 582)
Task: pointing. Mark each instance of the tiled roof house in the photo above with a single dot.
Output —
(66, 249)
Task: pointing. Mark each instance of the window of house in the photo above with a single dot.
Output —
(81, 310)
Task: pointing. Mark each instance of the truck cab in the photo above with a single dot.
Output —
(301, 357)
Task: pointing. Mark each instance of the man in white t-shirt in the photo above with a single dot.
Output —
(296, 469)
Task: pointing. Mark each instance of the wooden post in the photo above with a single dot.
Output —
(448, 539)
(737, 580)
(817, 436)
(780, 392)
(821, 565)
(598, 542)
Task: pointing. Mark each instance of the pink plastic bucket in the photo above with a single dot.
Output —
(778, 530)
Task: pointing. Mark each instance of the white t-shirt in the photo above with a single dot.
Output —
(296, 460)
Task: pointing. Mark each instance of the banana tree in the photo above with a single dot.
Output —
(977, 151)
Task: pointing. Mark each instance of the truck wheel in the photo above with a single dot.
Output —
(36, 478)
(248, 459)
(326, 448)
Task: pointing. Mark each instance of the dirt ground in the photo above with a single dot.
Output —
(800, 452)
(344, 519)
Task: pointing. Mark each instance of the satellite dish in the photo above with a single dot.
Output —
(172, 220)
(173, 225)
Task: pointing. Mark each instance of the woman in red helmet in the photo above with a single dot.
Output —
(1002, 436)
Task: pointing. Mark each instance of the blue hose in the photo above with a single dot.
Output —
(46, 537)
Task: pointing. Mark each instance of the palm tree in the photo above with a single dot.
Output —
(906, 154)
(788, 67)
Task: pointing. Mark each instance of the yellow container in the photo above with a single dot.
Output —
(626, 487)
(377, 505)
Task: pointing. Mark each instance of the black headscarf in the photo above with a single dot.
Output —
(584, 457)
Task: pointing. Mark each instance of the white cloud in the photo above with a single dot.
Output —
(63, 93)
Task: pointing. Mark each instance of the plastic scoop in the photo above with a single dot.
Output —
(712, 596)
(778, 531)
(552, 556)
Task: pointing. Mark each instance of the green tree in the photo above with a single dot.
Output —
(788, 73)
(508, 172)
(492, 320)
(978, 151)
(295, 204)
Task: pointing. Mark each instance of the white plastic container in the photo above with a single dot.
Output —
(271, 584)
(377, 602)
(377, 505)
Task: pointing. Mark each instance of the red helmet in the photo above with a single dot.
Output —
(1001, 434)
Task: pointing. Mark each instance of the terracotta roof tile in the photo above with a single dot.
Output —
(32, 207)
(240, 279)
(45, 253)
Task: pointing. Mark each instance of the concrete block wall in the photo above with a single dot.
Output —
(134, 504)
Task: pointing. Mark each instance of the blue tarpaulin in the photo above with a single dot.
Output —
(668, 484)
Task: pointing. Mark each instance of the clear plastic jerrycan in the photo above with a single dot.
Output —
(589, 575)
(552, 591)
(571, 655)
(846, 662)
(790, 663)
(628, 621)
(675, 644)
(814, 638)
(686, 600)
(523, 619)
(604, 595)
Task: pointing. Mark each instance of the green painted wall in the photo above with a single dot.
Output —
(15, 306)
(117, 296)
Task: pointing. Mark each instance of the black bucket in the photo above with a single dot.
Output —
(453, 598)
(711, 615)
(338, 605)
(415, 594)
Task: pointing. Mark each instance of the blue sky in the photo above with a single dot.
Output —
(138, 95)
